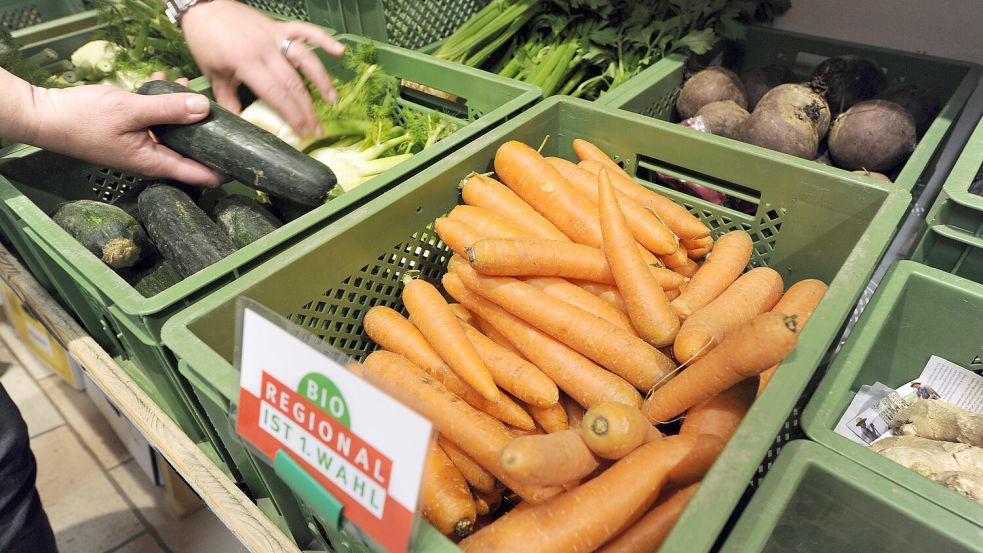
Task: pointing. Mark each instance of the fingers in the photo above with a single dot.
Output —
(280, 86)
(167, 163)
(178, 109)
(307, 32)
(161, 76)
(226, 94)
(310, 65)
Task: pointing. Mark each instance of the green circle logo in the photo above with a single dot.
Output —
(321, 391)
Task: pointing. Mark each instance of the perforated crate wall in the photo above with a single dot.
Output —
(288, 9)
(25, 13)
(414, 25)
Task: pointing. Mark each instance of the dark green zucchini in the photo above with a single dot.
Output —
(182, 232)
(157, 279)
(127, 201)
(237, 148)
(244, 219)
(105, 230)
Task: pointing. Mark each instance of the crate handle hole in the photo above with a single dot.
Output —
(698, 185)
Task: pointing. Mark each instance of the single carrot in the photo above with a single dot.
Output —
(647, 534)
(394, 333)
(696, 254)
(681, 222)
(550, 419)
(485, 222)
(730, 255)
(646, 228)
(496, 336)
(699, 248)
(613, 430)
(478, 478)
(577, 376)
(584, 518)
(537, 257)
(585, 150)
(445, 496)
(477, 434)
(487, 503)
(437, 322)
(462, 313)
(753, 293)
(800, 300)
(614, 348)
(457, 234)
(688, 269)
(575, 411)
(572, 294)
(646, 302)
(549, 459)
(744, 353)
(488, 193)
(544, 188)
(677, 259)
(513, 373)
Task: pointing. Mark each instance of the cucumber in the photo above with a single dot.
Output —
(107, 231)
(157, 279)
(127, 201)
(243, 219)
(182, 232)
(237, 148)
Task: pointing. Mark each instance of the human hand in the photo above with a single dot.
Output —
(235, 44)
(109, 126)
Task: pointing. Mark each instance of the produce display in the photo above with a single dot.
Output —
(842, 115)
(588, 314)
(586, 48)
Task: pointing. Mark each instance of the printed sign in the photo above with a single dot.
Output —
(364, 447)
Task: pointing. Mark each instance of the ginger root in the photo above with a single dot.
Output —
(957, 466)
(938, 420)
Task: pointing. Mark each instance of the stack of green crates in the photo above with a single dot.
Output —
(953, 237)
(815, 501)
(916, 312)
(653, 92)
(826, 227)
(16, 15)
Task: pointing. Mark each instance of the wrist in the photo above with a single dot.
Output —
(197, 12)
(20, 118)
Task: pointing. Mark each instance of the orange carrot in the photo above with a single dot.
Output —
(688, 269)
(744, 353)
(572, 294)
(647, 534)
(462, 313)
(549, 459)
(800, 300)
(730, 255)
(575, 411)
(613, 430)
(544, 188)
(646, 228)
(537, 257)
(606, 292)
(681, 222)
(496, 336)
(550, 419)
(477, 434)
(440, 326)
(676, 260)
(457, 234)
(485, 222)
(577, 376)
(587, 151)
(584, 518)
(699, 248)
(645, 300)
(673, 294)
(488, 193)
(445, 496)
(486, 503)
(755, 292)
(477, 477)
(614, 348)
(393, 332)
(513, 373)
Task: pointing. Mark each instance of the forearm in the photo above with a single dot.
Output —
(18, 115)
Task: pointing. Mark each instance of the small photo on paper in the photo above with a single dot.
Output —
(869, 426)
(924, 391)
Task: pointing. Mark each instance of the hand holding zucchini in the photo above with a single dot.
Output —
(234, 147)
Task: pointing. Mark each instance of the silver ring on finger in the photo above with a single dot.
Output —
(285, 45)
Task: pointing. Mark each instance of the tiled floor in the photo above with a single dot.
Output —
(96, 496)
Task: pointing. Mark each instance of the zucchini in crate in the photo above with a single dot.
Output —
(182, 232)
(105, 230)
(237, 148)
(244, 219)
(156, 279)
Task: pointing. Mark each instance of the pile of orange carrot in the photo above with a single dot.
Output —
(585, 310)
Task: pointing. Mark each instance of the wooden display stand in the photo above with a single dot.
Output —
(243, 518)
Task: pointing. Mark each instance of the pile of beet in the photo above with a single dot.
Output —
(842, 115)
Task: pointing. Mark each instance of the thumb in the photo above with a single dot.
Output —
(176, 109)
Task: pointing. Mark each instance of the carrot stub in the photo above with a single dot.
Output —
(744, 353)
(445, 496)
(730, 255)
(801, 300)
(613, 430)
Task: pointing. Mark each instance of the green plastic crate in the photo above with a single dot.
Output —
(956, 206)
(413, 25)
(915, 313)
(653, 92)
(815, 501)
(954, 251)
(20, 14)
(824, 227)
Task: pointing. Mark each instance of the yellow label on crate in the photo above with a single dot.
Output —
(37, 337)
